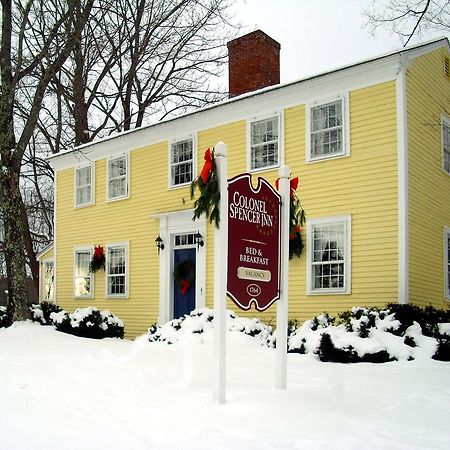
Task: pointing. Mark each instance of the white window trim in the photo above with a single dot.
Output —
(88, 248)
(258, 118)
(348, 256)
(445, 120)
(446, 274)
(344, 97)
(83, 166)
(192, 137)
(44, 262)
(127, 268)
(110, 158)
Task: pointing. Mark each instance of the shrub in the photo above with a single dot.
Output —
(328, 352)
(41, 312)
(428, 318)
(5, 317)
(443, 350)
(89, 322)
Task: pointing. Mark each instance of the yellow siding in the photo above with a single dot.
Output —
(428, 95)
(119, 221)
(363, 184)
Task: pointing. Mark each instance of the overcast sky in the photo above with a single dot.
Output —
(317, 35)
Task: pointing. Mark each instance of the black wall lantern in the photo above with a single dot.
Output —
(198, 239)
(159, 243)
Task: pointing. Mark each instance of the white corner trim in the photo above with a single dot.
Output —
(445, 122)
(402, 175)
(446, 262)
(55, 205)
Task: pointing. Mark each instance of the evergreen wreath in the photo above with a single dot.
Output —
(98, 259)
(208, 185)
(184, 275)
(296, 221)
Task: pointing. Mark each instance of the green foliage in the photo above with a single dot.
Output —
(409, 340)
(296, 221)
(443, 350)
(208, 201)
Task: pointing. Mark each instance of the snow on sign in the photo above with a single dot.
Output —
(253, 243)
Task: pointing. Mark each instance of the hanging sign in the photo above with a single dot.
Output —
(253, 243)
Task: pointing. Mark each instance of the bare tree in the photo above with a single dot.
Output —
(408, 18)
(37, 38)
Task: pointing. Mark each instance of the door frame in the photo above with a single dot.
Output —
(171, 224)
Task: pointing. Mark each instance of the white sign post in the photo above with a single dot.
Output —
(282, 304)
(220, 275)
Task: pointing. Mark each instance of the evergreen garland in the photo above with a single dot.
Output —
(208, 185)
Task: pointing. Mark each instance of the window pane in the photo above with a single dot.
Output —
(181, 156)
(117, 167)
(48, 281)
(116, 271)
(83, 187)
(446, 147)
(326, 129)
(82, 275)
(264, 143)
(328, 256)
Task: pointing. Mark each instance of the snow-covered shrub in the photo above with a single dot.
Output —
(200, 321)
(41, 312)
(5, 317)
(89, 322)
(328, 352)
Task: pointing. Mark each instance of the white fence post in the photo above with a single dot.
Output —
(220, 276)
(282, 303)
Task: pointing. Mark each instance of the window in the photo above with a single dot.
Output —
(326, 125)
(181, 162)
(264, 143)
(329, 255)
(117, 270)
(48, 293)
(118, 177)
(82, 276)
(447, 262)
(446, 144)
(83, 186)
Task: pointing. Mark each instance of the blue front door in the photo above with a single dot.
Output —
(183, 281)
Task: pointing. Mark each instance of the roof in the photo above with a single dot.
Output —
(409, 51)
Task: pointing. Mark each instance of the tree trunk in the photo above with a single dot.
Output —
(10, 201)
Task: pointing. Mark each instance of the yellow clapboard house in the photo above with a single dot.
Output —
(370, 143)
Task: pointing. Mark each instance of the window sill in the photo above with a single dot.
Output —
(116, 296)
(84, 205)
(264, 169)
(116, 199)
(328, 292)
(179, 186)
(326, 158)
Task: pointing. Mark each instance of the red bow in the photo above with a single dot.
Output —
(98, 252)
(184, 286)
(293, 182)
(207, 167)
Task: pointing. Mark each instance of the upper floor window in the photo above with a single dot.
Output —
(327, 129)
(117, 270)
(118, 177)
(447, 262)
(264, 143)
(329, 255)
(181, 162)
(82, 275)
(83, 186)
(446, 144)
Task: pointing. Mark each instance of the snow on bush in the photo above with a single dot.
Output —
(41, 312)
(357, 335)
(5, 319)
(89, 322)
(200, 321)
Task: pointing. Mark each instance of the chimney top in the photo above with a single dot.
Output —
(254, 63)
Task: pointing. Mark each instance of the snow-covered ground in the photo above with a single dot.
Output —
(59, 391)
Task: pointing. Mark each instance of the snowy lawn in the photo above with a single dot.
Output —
(59, 391)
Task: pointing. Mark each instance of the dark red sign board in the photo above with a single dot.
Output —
(253, 243)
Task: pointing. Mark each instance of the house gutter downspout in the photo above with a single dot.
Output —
(402, 175)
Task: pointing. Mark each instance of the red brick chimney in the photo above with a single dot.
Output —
(253, 63)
